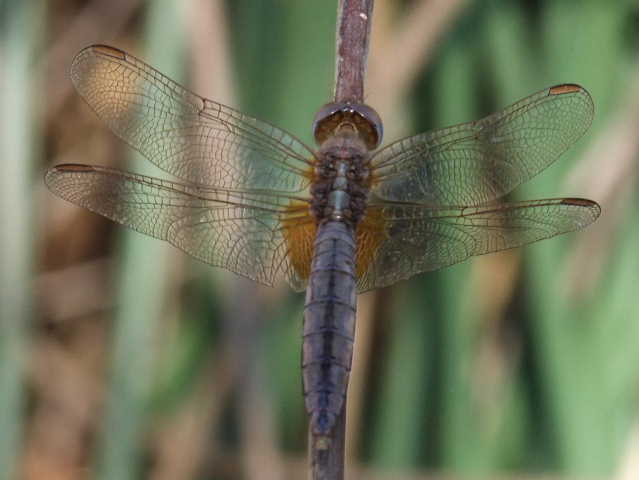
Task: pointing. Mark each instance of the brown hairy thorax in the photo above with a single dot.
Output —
(345, 147)
(346, 133)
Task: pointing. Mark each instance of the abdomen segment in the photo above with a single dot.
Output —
(329, 325)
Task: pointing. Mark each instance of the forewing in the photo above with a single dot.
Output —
(418, 239)
(238, 231)
(193, 138)
(478, 162)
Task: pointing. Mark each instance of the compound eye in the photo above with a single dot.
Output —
(326, 120)
(365, 119)
(372, 127)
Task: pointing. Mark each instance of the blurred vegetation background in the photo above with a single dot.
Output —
(122, 358)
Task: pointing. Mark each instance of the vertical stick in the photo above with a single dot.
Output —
(353, 33)
(21, 149)
(326, 453)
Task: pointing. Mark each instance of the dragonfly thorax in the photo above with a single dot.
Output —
(341, 185)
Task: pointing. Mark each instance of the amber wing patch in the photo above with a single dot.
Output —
(299, 230)
(370, 235)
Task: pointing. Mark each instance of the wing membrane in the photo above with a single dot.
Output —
(478, 162)
(419, 239)
(193, 138)
(236, 230)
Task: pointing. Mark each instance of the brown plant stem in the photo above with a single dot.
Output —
(353, 33)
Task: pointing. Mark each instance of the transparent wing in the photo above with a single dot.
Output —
(236, 230)
(193, 138)
(478, 162)
(415, 239)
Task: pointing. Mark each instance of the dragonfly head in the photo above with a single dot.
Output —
(339, 118)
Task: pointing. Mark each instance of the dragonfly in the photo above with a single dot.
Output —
(335, 221)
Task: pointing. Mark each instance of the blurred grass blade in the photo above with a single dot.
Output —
(142, 287)
(578, 403)
(407, 374)
(19, 147)
(455, 101)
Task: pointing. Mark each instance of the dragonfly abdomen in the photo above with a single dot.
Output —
(329, 324)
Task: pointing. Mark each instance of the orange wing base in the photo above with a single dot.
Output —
(299, 230)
